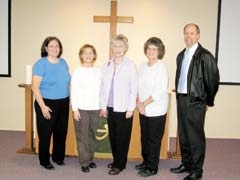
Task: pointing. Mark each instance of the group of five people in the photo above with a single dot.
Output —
(114, 92)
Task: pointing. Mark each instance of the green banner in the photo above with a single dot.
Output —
(103, 145)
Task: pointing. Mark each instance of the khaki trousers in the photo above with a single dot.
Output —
(85, 130)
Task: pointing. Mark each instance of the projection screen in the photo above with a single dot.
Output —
(5, 38)
(228, 42)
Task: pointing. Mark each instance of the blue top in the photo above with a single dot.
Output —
(55, 78)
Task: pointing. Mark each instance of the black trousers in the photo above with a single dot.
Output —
(191, 118)
(56, 127)
(152, 131)
(120, 130)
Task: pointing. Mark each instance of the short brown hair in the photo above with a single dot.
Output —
(45, 43)
(156, 42)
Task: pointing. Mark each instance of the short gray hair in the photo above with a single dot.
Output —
(119, 37)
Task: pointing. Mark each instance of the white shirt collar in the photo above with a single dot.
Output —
(193, 48)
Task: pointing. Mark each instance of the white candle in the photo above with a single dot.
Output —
(28, 74)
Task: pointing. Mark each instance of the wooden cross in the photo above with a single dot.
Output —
(113, 19)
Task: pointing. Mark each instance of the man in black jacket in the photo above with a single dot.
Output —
(196, 83)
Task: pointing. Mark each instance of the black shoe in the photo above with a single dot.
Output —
(48, 167)
(180, 169)
(145, 172)
(114, 171)
(60, 163)
(140, 166)
(193, 176)
(92, 165)
(85, 169)
(111, 165)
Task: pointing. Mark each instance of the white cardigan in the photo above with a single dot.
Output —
(153, 81)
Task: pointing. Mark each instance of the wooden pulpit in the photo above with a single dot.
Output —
(135, 143)
(177, 153)
(29, 146)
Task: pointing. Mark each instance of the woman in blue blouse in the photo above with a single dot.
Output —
(50, 86)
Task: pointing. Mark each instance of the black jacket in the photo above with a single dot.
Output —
(203, 76)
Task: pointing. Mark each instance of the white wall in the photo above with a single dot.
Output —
(72, 22)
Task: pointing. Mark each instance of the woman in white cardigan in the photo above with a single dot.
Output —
(152, 104)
